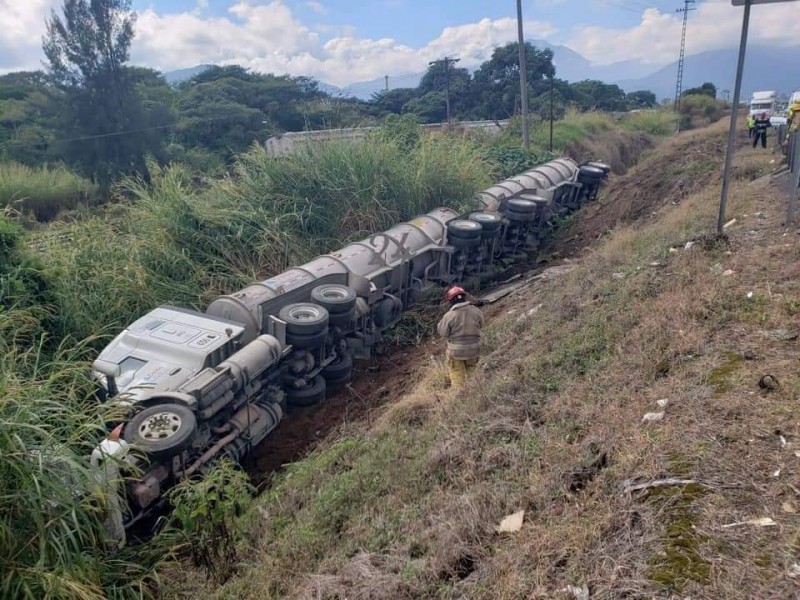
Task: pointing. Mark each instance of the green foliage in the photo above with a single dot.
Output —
(641, 99)
(654, 122)
(699, 109)
(600, 96)
(52, 537)
(205, 512)
(43, 191)
(507, 161)
(707, 89)
(22, 280)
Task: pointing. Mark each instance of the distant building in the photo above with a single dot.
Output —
(286, 143)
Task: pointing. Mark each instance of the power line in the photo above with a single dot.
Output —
(687, 8)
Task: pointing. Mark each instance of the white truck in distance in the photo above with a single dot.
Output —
(763, 102)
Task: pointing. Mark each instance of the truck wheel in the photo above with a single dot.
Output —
(489, 221)
(304, 342)
(304, 318)
(343, 319)
(338, 369)
(162, 430)
(336, 299)
(521, 206)
(464, 229)
(312, 393)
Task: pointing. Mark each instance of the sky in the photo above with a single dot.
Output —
(346, 41)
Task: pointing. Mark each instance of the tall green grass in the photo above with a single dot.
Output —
(45, 191)
(659, 122)
(52, 538)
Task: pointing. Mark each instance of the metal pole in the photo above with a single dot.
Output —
(551, 113)
(447, 88)
(386, 82)
(723, 201)
(523, 78)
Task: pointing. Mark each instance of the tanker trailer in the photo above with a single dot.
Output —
(201, 386)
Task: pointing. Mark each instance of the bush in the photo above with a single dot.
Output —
(699, 110)
(205, 513)
(507, 161)
(43, 191)
(654, 122)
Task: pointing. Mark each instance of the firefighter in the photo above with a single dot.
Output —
(762, 124)
(461, 327)
(751, 125)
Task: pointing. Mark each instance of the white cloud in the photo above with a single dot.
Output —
(715, 24)
(317, 7)
(21, 30)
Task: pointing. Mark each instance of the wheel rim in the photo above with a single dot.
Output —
(160, 426)
(333, 294)
(464, 225)
(305, 313)
(481, 217)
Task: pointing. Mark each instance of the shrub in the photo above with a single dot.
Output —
(43, 191)
(700, 109)
(654, 122)
(205, 512)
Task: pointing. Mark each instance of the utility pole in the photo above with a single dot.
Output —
(447, 62)
(551, 112)
(687, 8)
(386, 83)
(523, 78)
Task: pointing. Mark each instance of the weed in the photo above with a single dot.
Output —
(44, 191)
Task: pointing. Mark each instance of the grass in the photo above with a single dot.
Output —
(409, 507)
(43, 192)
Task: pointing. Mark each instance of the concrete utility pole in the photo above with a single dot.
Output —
(523, 78)
(687, 7)
(386, 83)
(551, 113)
(447, 62)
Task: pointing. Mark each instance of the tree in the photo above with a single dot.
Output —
(430, 108)
(102, 118)
(392, 101)
(596, 95)
(641, 99)
(496, 82)
(707, 89)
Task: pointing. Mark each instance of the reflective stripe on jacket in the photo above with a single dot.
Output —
(461, 327)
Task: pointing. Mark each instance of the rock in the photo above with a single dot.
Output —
(579, 593)
(783, 335)
(727, 272)
(789, 507)
(717, 269)
(769, 382)
(749, 355)
(619, 275)
(794, 571)
(749, 295)
(652, 417)
(655, 264)
(688, 245)
(663, 403)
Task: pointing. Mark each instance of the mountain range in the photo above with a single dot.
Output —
(766, 68)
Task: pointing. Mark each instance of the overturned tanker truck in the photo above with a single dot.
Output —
(198, 387)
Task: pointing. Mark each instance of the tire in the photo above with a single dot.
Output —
(521, 206)
(336, 299)
(600, 165)
(304, 318)
(335, 384)
(489, 221)
(465, 229)
(309, 395)
(304, 342)
(162, 430)
(457, 242)
(344, 319)
(587, 173)
(340, 368)
(520, 217)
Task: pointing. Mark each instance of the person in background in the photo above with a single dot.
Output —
(461, 328)
(762, 124)
(751, 125)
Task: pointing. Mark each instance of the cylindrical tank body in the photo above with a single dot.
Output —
(542, 181)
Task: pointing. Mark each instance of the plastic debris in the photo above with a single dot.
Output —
(762, 522)
(729, 223)
(655, 264)
(749, 294)
(512, 523)
(688, 245)
(776, 473)
(652, 417)
(673, 250)
(794, 571)
(663, 403)
(727, 272)
(797, 453)
(579, 593)
(789, 507)
(619, 275)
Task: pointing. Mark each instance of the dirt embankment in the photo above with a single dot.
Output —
(701, 499)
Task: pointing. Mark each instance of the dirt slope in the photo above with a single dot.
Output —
(407, 504)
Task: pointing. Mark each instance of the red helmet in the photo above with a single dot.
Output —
(454, 292)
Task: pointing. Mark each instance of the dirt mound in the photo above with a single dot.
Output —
(682, 166)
